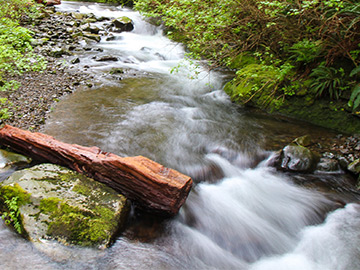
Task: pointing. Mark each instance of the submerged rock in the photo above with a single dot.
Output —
(105, 58)
(9, 158)
(60, 204)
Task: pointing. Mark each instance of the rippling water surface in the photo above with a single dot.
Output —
(241, 214)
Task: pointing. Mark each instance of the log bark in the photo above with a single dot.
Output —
(148, 184)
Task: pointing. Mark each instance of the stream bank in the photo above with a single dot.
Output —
(39, 92)
(252, 218)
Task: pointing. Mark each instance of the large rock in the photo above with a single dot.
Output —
(295, 158)
(57, 203)
(122, 24)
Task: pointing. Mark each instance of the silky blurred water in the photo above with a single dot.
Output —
(240, 214)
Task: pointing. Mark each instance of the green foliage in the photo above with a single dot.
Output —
(16, 9)
(354, 101)
(328, 81)
(4, 108)
(16, 53)
(12, 216)
(264, 81)
(12, 197)
(305, 51)
(298, 33)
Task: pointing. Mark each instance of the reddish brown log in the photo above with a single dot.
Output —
(150, 185)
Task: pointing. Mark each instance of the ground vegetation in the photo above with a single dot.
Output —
(279, 49)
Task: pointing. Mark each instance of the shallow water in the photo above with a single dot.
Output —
(240, 215)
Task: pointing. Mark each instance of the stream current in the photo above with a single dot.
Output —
(241, 214)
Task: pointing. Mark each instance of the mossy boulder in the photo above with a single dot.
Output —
(295, 158)
(60, 204)
(122, 24)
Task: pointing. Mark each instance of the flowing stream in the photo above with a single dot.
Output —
(241, 214)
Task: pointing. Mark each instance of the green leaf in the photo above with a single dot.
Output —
(355, 71)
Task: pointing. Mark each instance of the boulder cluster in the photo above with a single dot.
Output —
(298, 156)
(59, 34)
(58, 37)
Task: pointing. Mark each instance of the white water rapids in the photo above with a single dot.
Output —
(252, 218)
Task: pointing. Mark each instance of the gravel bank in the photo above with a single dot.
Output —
(38, 93)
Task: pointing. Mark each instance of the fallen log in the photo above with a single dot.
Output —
(148, 184)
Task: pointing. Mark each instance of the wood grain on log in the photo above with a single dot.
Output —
(148, 184)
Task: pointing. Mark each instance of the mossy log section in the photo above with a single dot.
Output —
(148, 184)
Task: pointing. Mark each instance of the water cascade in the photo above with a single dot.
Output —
(241, 214)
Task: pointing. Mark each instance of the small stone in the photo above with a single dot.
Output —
(354, 166)
(106, 58)
(343, 162)
(327, 165)
(110, 38)
(77, 15)
(303, 140)
(75, 60)
(91, 36)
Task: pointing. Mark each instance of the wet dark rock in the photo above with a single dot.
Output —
(117, 71)
(297, 158)
(122, 24)
(91, 36)
(327, 165)
(85, 27)
(343, 162)
(105, 58)
(94, 29)
(110, 37)
(49, 2)
(57, 52)
(76, 60)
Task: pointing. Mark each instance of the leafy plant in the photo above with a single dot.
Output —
(354, 100)
(305, 51)
(4, 108)
(257, 79)
(16, 53)
(327, 81)
(12, 216)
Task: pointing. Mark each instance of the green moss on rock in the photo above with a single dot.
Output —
(322, 112)
(57, 203)
(15, 190)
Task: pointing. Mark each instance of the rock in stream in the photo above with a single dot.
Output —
(59, 204)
